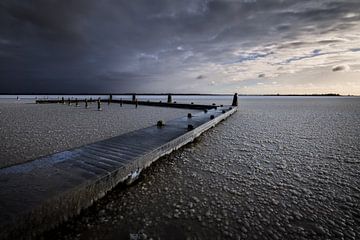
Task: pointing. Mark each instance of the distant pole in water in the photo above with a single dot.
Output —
(86, 103)
(136, 103)
(133, 97)
(62, 100)
(110, 97)
(169, 98)
(99, 104)
(235, 100)
(69, 101)
(120, 102)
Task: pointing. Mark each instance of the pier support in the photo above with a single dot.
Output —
(235, 100)
(169, 100)
(99, 104)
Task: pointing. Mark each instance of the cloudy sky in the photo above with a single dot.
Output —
(220, 46)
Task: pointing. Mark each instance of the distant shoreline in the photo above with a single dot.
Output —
(192, 94)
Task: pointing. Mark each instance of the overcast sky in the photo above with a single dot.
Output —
(222, 46)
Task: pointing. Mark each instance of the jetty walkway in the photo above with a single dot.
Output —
(37, 195)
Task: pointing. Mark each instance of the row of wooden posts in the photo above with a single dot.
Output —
(98, 101)
(160, 123)
(134, 100)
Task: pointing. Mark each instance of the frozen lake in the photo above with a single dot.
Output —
(280, 168)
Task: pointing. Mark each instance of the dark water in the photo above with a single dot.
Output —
(280, 168)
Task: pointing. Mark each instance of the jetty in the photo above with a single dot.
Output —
(134, 101)
(38, 195)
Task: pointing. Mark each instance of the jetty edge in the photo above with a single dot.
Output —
(38, 195)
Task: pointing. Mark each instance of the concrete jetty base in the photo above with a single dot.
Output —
(38, 195)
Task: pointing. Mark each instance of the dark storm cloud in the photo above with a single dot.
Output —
(108, 45)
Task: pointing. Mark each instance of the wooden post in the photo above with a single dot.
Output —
(136, 103)
(99, 104)
(133, 97)
(169, 98)
(76, 102)
(121, 102)
(235, 100)
(86, 103)
(160, 123)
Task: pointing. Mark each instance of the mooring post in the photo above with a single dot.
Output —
(99, 104)
(160, 123)
(133, 97)
(86, 103)
(136, 103)
(110, 97)
(120, 102)
(62, 100)
(169, 98)
(235, 100)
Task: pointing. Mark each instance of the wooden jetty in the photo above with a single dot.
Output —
(118, 101)
(38, 195)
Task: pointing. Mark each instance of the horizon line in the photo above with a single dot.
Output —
(186, 94)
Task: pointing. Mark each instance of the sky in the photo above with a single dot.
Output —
(180, 46)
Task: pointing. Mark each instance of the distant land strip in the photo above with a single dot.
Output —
(182, 94)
